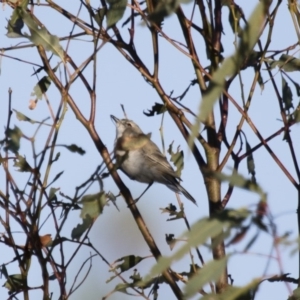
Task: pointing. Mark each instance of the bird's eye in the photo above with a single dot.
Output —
(129, 124)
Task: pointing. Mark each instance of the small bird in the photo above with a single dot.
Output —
(140, 159)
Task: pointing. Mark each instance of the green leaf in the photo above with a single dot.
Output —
(40, 36)
(157, 108)
(200, 232)
(22, 117)
(235, 293)
(14, 27)
(239, 181)
(79, 230)
(287, 63)
(172, 211)
(211, 271)
(92, 205)
(249, 37)
(74, 148)
(15, 283)
(171, 241)
(164, 8)
(260, 81)
(250, 162)
(41, 87)
(287, 95)
(177, 158)
(22, 164)
(296, 114)
(128, 262)
(14, 137)
(57, 176)
(194, 268)
(56, 158)
(296, 294)
(136, 277)
(59, 241)
(52, 196)
(115, 12)
(122, 287)
(15, 23)
(99, 15)
(251, 242)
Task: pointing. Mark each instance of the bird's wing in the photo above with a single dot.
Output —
(158, 158)
(130, 140)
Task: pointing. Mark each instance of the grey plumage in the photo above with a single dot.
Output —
(140, 159)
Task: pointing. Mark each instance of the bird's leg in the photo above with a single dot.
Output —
(137, 199)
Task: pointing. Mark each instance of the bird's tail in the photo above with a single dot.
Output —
(180, 189)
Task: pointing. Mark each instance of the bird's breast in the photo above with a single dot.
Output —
(133, 164)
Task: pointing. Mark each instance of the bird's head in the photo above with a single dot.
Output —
(123, 124)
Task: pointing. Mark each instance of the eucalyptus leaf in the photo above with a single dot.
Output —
(115, 12)
(57, 176)
(249, 37)
(127, 262)
(15, 23)
(92, 205)
(79, 230)
(22, 164)
(13, 139)
(177, 158)
(297, 87)
(22, 117)
(41, 87)
(296, 114)
(260, 81)
(157, 109)
(250, 162)
(40, 36)
(52, 196)
(296, 294)
(287, 95)
(211, 271)
(76, 149)
(235, 293)
(99, 15)
(200, 232)
(15, 282)
(241, 182)
(122, 287)
(287, 63)
(165, 8)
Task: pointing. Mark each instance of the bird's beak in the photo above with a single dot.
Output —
(114, 119)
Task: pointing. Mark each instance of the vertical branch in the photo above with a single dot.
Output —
(217, 33)
(154, 41)
(190, 45)
(212, 149)
(131, 30)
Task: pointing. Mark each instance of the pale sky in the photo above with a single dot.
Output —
(115, 234)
